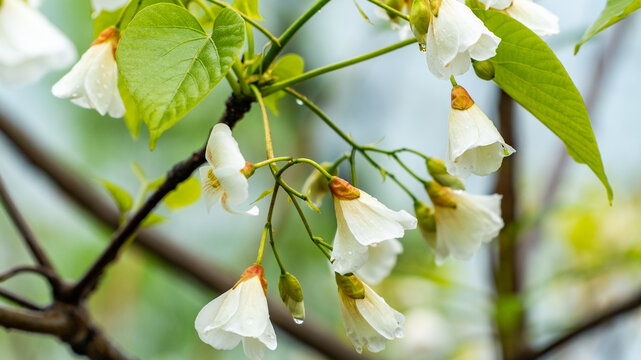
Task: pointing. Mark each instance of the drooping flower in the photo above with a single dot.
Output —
(225, 180)
(463, 221)
(539, 19)
(30, 46)
(93, 82)
(239, 314)
(474, 144)
(109, 5)
(454, 36)
(292, 295)
(369, 321)
(363, 222)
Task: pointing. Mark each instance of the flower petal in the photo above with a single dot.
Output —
(101, 79)
(234, 184)
(211, 194)
(254, 349)
(252, 316)
(348, 254)
(217, 338)
(222, 149)
(359, 332)
(534, 16)
(385, 320)
(380, 261)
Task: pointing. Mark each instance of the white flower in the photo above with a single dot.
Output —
(534, 16)
(93, 82)
(363, 222)
(463, 221)
(381, 260)
(368, 320)
(109, 5)
(30, 45)
(239, 314)
(225, 179)
(455, 35)
(474, 144)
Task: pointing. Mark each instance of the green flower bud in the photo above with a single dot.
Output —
(420, 22)
(350, 285)
(434, 6)
(440, 195)
(438, 171)
(292, 295)
(484, 69)
(426, 222)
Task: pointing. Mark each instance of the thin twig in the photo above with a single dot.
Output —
(19, 300)
(47, 273)
(28, 237)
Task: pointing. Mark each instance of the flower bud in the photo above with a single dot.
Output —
(484, 69)
(436, 168)
(426, 222)
(420, 21)
(343, 190)
(292, 295)
(248, 170)
(461, 100)
(350, 285)
(440, 195)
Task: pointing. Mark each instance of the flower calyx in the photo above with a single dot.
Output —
(440, 195)
(250, 272)
(343, 190)
(461, 100)
(350, 285)
(438, 171)
(108, 34)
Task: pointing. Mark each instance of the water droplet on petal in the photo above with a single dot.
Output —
(299, 102)
(399, 332)
(298, 321)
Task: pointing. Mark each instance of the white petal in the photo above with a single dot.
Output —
(474, 144)
(485, 47)
(254, 349)
(30, 45)
(211, 194)
(370, 221)
(460, 65)
(359, 332)
(435, 66)
(222, 149)
(217, 338)
(252, 212)
(348, 254)
(385, 320)
(380, 261)
(252, 315)
(534, 16)
(475, 220)
(269, 337)
(117, 107)
(101, 79)
(234, 183)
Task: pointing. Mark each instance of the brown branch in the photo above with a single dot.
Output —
(43, 322)
(164, 249)
(45, 272)
(18, 300)
(627, 306)
(28, 237)
(235, 109)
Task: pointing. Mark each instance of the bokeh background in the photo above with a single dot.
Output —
(587, 255)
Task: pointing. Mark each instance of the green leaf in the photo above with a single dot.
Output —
(109, 18)
(286, 67)
(186, 193)
(122, 198)
(170, 63)
(362, 13)
(248, 7)
(263, 195)
(152, 219)
(615, 11)
(104, 20)
(528, 71)
(132, 115)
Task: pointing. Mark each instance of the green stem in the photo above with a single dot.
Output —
(206, 9)
(261, 248)
(316, 110)
(271, 229)
(352, 167)
(233, 83)
(316, 241)
(240, 74)
(269, 147)
(316, 165)
(250, 41)
(390, 9)
(329, 68)
(248, 19)
(289, 33)
(271, 161)
(338, 162)
(453, 81)
(408, 170)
